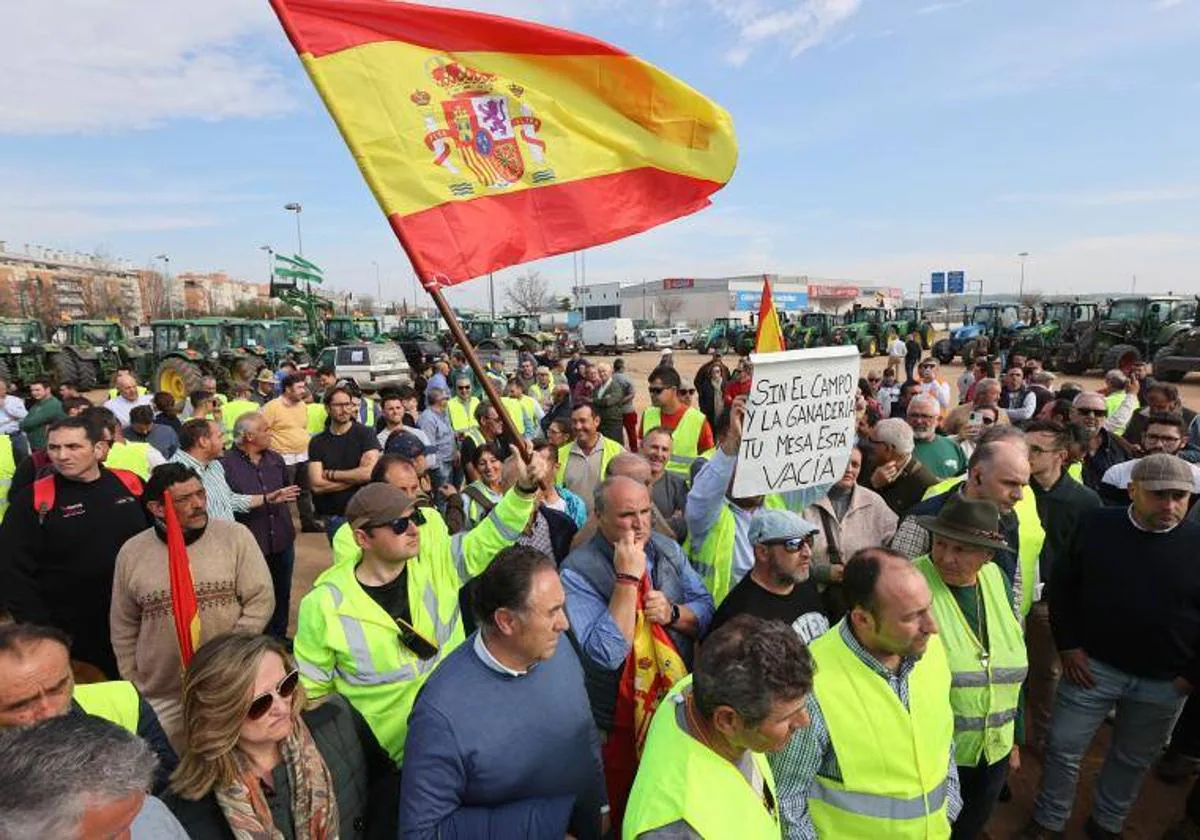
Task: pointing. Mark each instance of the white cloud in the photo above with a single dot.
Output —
(1111, 198)
(797, 25)
(934, 8)
(111, 66)
(1160, 5)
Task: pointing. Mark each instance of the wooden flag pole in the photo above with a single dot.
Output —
(460, 337)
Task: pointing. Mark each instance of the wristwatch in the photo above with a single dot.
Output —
(674, 615)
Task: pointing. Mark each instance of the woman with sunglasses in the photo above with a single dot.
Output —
(258, 764)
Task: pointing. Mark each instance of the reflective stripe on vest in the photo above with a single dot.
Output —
(1030, 537)
(892, 760)
(8, 468)
(462, 417)
(131, 457)
(984, 690)
(115, 701)
(685, 438)
(681, 779)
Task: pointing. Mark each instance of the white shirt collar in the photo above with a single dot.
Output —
(492, 662)
(1144, 529)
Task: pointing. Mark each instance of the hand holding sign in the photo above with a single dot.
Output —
(798, 422)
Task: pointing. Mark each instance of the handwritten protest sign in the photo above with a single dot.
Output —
(799, 426)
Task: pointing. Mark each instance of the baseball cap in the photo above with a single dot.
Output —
(405, 445)
(770, 525)
(377, 504)
(1161, 471)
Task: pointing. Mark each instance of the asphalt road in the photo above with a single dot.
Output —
(1158, 806)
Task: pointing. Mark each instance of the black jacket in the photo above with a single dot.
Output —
(366, 784)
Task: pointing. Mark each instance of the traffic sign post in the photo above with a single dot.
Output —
(956, 281)
(937, 283)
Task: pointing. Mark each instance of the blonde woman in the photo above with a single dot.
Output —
(258, 765)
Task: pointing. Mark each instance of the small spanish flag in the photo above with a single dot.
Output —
(770, 334)
(183, 591)
(489, 141)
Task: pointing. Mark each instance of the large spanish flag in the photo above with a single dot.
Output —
(489, 141)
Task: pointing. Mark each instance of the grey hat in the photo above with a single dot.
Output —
(377, 504)
(770, 525)
(1161, 471)
(969, 521)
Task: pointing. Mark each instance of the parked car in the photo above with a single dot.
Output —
(370, 365)
(610, 335)
(655, 338)
(682, 336)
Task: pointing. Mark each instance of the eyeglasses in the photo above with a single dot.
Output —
(400, 524)
(795, 543)
(687, 390)
(1093, 412)
(657, 389)
(414, 641)
(1163, 438)
(341, 404)
(284, 689)
(464, 387)
(1037, 450)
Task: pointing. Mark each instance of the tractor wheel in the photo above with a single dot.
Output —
(943, 352)
(869, 347)
(1121, 357)
(1167, 375)
(88, 373)
(926, 335)
(178, 377)
(722, 345)
(891, 336)
(65, 368)
(244, 370)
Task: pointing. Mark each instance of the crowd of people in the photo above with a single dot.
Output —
(567, 624)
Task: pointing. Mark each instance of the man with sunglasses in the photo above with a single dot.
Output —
(1105, 448)
(462, 407)
(375, 624)
(691, 433)
(1061, 503)
(779, 586)
(1125, 609)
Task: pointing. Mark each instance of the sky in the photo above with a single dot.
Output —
(879, 140)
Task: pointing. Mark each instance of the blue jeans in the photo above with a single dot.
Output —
(1146, 711)
(280, 565)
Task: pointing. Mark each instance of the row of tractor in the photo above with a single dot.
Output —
(1076, 337)
(870, 329)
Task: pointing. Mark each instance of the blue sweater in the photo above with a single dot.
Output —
(490, 755)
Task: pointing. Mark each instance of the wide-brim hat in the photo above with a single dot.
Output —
(969, 521)
(265, 375)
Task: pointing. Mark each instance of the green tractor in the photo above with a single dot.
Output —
(94, 350)
(814, 329)
(269, 340)
(25, 354)
(904, 321)
(187, 350)
(1061, 323)
(1132, 329)
(1182, 356)
(726, 335)
(420, 339)
(863, 327)
(343, 329)
(528, 330)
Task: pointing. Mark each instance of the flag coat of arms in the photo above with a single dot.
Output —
(489, 141)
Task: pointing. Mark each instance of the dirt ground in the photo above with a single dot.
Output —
(1158, 806)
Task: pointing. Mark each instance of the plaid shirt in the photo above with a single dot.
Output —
(810, 751)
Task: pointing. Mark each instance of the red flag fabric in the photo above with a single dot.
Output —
(651, 668)
(183, 591)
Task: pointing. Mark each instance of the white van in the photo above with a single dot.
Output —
(611, 335)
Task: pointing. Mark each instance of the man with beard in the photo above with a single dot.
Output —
(228, 573)
(668, 490)
(779, 587)
(864, 754)
(941, 455)
(61, 537)
(1104, 447)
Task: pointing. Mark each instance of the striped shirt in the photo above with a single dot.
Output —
(810, 751)
(223, 503)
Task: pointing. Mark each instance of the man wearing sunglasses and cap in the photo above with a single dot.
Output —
(778, 587)
(375, 624)
(985, 648)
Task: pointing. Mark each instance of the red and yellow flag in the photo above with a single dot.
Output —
(183, 591)
(490, 142)
(770, 334)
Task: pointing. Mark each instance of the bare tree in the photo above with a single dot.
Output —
(669, 306)
(98, 298)
(1031, 299)
(527, 294)
(154, 294)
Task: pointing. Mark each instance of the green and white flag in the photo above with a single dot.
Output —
(298, 268)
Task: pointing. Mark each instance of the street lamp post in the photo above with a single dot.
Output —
(167, 284)
(378, 287)
(270, 262)
(1021, 293)
(296, 208)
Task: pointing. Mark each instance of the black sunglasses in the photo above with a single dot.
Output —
(464, 387)
(794, 543)
(284, 689)
(1093, 412)
(414, 641)
(657, 389)
(400, 524)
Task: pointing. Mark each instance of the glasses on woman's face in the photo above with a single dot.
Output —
(284, 689)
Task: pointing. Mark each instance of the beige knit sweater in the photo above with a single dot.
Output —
(233, 590)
